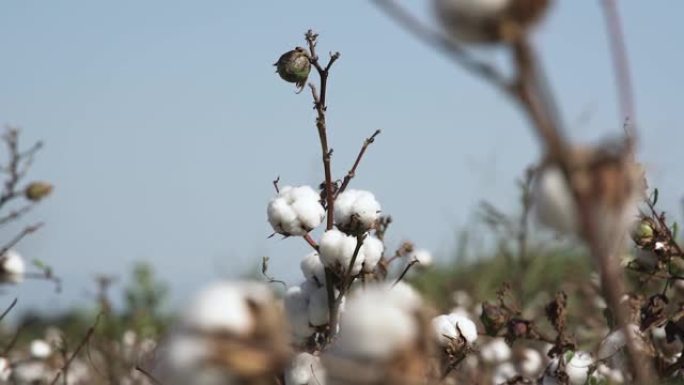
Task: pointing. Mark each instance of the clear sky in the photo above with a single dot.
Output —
(165, 124)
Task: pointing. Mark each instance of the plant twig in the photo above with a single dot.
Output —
(27, 230)
(148, 375)
(80, 346)
(9, 309)
(352, 172)
(405, 271)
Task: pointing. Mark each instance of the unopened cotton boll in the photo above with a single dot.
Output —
(40, 349)
(313, 268)
(295, 211)
(305, 369)
(12, 267)
(356, 211)
(223, 307)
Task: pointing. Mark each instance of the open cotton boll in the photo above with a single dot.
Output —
(313, 268)
(337, 250)
(503, 373)
(375, 324)
(553, 201)
(356, 211)
(295, 211)
(496, 351)
(530, 363)
(5, 369)
(444, 329)
(465, 326)
(578, 367)
(305, 369)
(12, 267)
(616, 341)
(223, 307)
(372, 252)
(423, 257)
(40, 349)
(319, 313)
(297, 310)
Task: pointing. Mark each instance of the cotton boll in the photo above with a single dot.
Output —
(185, 352)
(616, 341)
(313, 268)
(220, 307)
(444, 329)
(464, 326)
(40, 349)
(319, 313)
(503, 373)
(372, 252)
(295, 211)
(423, 257)
(405, 296)
(375, 325)
(12, 267)
(297, 310)
(530, 363)
(337, 250)
(578, 367)
(554, 204)
(305, 369)
(496, 351)
(356, 211)
(5, 369)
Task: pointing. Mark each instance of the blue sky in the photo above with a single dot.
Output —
(164, 125)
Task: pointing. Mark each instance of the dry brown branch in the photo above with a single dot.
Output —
(352, 172)
(84, 341)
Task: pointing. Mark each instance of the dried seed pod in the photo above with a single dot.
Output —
(294, 66)
(489, 21)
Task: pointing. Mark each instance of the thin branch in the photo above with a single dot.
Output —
(9, 309)
(623, 80)
(16, 214)
(80, 346)
(352, 172)
(148, 375)
(275, 184)
(437, 40)
(310, 241)
(405, 271)
(27, 230)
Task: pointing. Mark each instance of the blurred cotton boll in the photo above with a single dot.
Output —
(12, 267)
(529, 362)
(313, 268)
(232, 333)
(503, 373)
(295, 211)
(40, 349)
(576, 369)
(496, 351)
(423, 257)
(305, 369)
(607, 179)
(384, 338)
(5, 369)
(356, 211)
(297, 300)
(488, 21)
